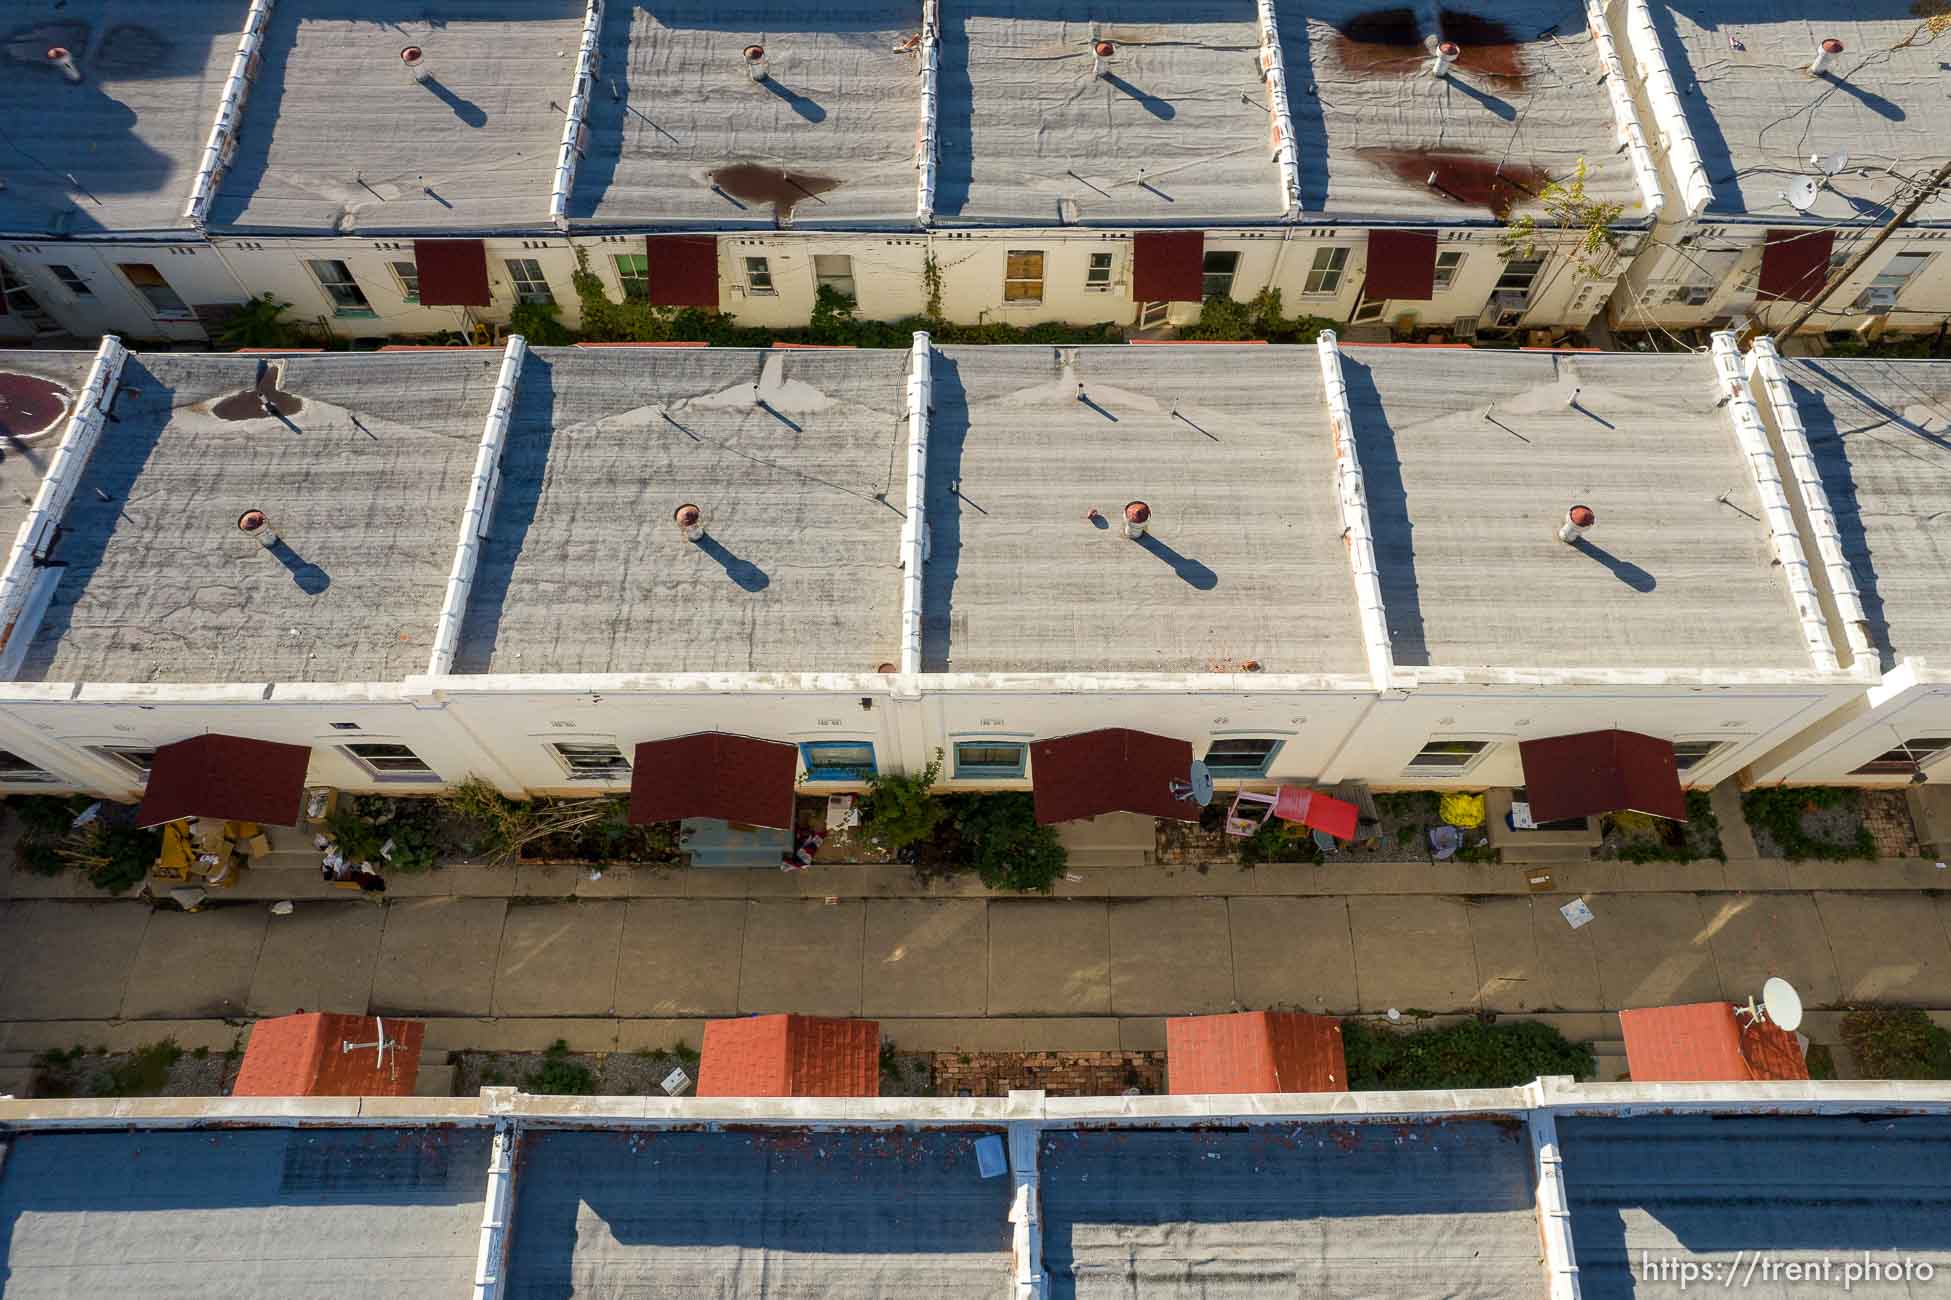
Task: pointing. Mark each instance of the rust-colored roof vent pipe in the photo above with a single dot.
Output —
(414, 59)
(756, 66)
(1138, 517)
(1826, 54)
(1446, 57)
(690, 522)
(1577, 521)
(65, 61)
(1101, 53)
(254, 524)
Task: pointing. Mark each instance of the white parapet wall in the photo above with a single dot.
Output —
(222, 144)
(1280, 115)
(927, 147)
(1669, 113)
(914, 532)
(479, 514)
(1352, 497)
(1631, 135)
(570, 151)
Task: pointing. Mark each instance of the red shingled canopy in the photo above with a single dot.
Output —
(713, 774)
(1114, 770)
(1255, 1051)
(1594, 772)
(304, 1056)
(228, 778)
(1168, 266)
(1401, 265)
(790, 1056)
(453, 272)
(1704, 1042)
(683, 270)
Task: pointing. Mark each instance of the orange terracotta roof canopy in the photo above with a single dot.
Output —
(1255, 1051)
(790, 1056)
(1704, 1042)
(305, 1055)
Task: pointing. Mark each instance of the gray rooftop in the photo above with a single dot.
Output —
(1758, 117)
(366, 484)
(827, 138)
(1522, 106)
(1177, 133)
(1720, 1189)
(1244, 559)
(337, 135)
(798, 460)
(393, 1214)
(1307, 1209)
(131, 132)
(1471, 460)
(893, 1215)
(1881, 435)
(24, 456)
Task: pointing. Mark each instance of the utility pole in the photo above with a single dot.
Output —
(1923, 195)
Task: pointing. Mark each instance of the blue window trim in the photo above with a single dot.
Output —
(1239, 772)
(815, 771)
(991, 771)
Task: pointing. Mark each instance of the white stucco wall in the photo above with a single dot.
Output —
(111, 306)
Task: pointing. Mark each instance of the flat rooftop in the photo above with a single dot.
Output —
(338, 136)
(798, 460)
(1724, 1189)
(1881, 435)
(1317, 1208)
(753, 1213)
(1520, 108)
(37, 396)
(1176, 133)
(1231, 449)
(365, 479)
(393, 1214)
(1471, 459)
(131, 132)
(679, 131)
(1758, 117)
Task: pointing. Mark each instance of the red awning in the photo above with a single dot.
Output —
(1255, 1051)
(1703, 1042)
(1401, 265)
(1795, 263)
(790, 1056)
(227, 778)
(1597, 772)
(1168, 266)
(305, 1056)
(1114, 770)
(683, 270)
(712, 774)
(453, 272)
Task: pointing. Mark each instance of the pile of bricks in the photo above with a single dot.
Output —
(1887, 814)
(1061, 1074)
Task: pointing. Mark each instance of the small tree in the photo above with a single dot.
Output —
(259, 323)
(1009, 847)
(1568, 207)
(900, 811)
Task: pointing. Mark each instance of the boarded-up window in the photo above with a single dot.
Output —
(1023, 276)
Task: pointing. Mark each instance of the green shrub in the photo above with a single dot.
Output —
(119, 858)
(560, 1076)
(1279, 841)
(1006, 844)
(363, 826)
(1228, 320)
(899, 811)
(258, 323)
(540, 324)
(1472, 1053)
(39, 857)
(142, 1073)
(48, 816)
(1779, 811)
(1897, 1043)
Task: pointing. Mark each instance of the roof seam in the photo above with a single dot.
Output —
(1352, 496)
(1632, 136)
(479, 513)
(222, 145)
(1669, 115)
(570, 151)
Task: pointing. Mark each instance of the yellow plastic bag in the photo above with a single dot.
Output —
(1463, 811)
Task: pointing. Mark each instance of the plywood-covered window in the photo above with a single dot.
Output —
(1023, 276)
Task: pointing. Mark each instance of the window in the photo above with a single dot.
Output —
(1518, 277)
(758, 275)
(1325, 275)
(1449, 757)
(1897, 272)
(834, 271)
(18, 771)
(530, 284)
(408, 275)
(1240, 756)
(1098, 278)
(838, 760)
(1905, 758)
(137, 758)
(633, 273)
(388, 760)
(1692, 753)
(70, 281)
(586, 760)
(1023, 276)
(335, 277)
(1219, 274)
(148, 281)
(990, 758)
(1447, 265)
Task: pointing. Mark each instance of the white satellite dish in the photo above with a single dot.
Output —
(1198, 787)
(1782, 1003)
(1830, 163)
(1802, 192)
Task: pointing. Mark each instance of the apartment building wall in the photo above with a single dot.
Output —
(85, 286)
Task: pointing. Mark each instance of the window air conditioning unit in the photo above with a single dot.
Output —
(1693, 295)
(1504, 311)
(1877, 300)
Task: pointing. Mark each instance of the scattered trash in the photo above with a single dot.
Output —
(281, 908)
(1075, 879)
(1576, 913)
(386, 850)
(1521, 816)
(88, 814)
(1444, 841)
(596, 873)
(1395, 1017)
(676, 1081)
(842, 812)
(1940, 866)
(990, 1160)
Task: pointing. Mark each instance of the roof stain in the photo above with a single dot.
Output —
(784, 190)
(1488, 47)
(29, 405)
(264, 399)
(1464, 178)
(129, 48)
(1381, 40)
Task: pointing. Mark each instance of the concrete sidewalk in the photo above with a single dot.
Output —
(964, 960)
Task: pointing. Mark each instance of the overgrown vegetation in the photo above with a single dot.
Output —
(407, 835)
(1279, 841)
(141, 1073)
(258, 323)
(1474, 1053)
(593, 829)
(1567, 207)
(541, 324)
(899, 812)
(560, 1076)
(1897, 1043)
(1005, 843)
(1645, 838)
(112, 852)
(1226, 320)
(1814, 821)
